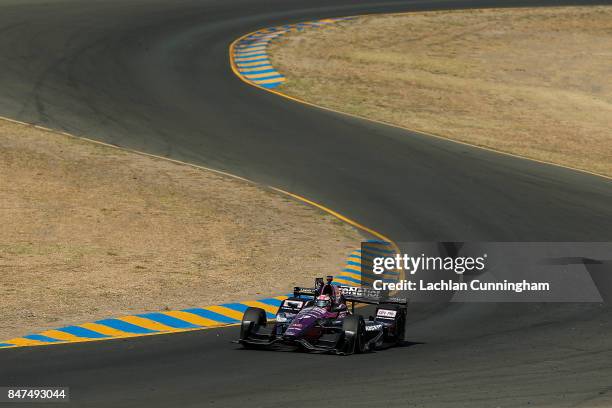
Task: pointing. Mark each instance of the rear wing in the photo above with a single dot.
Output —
(353, 294)
(314, 292)
(357, 294)
(300, 291)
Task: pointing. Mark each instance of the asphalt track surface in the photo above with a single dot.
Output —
(154, 76)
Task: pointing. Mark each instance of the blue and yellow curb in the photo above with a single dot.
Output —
(145, 324)
(249, 54)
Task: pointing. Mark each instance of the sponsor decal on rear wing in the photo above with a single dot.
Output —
(300, 291)
(370, 296)
(315, 291)
(387, 314)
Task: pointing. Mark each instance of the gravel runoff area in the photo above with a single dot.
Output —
(90, 231)
(532, 82)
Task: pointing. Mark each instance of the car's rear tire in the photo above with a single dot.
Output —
(354, 334)
(252, 319)
(400, 321)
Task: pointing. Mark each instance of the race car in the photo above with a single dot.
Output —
(318, 319)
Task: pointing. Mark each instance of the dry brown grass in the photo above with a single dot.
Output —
(89, 232)
(533, 82)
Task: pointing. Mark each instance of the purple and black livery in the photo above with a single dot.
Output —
(301, 324)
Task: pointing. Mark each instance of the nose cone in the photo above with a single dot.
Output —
(291, 334)
(302, 322)
(295, 329)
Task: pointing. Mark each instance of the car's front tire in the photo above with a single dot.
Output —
(252, 320)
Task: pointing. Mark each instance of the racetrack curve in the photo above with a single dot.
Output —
(154, 75)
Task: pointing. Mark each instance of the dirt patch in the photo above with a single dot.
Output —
(90, 232)
(533, 82)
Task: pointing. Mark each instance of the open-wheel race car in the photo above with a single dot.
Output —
(318, 319)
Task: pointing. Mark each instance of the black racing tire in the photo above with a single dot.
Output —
(252, 319)
(354, 334)
(401, 320)
(401, 324)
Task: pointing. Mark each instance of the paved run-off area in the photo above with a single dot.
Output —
(532, 82)
(91, 232)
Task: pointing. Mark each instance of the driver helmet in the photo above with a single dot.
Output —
(323, 301)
